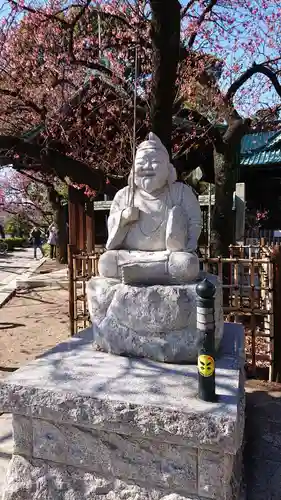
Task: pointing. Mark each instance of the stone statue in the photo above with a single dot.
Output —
(143, 303)
(154, 224)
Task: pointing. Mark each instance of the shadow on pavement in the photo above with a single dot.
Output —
(9, 326)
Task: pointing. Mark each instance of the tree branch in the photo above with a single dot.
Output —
(53, 161)
(35, 179)
(102, 14)
(72, 26)
(201, 19)
(27, 103)
(117, 17)
(185, 9)
(37, 11)
(256, 68)
(91, 65)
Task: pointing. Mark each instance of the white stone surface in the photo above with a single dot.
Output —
(129, 458)
(74, 384)
(6, 447)
(156, 322)
(38, 480)
(123, 428)
(153, 215)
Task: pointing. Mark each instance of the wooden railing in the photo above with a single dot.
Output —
(251, 281)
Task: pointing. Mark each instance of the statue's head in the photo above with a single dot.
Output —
(152, 165)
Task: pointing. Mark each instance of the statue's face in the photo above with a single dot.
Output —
(151, 170)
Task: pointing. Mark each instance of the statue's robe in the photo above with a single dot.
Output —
(169, 221)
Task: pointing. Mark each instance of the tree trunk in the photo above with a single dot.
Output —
(165, 35)
(226, 163)
(223, 221)
(61, 221)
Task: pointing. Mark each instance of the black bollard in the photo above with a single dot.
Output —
(206, 328)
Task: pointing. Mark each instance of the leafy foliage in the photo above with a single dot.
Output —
(14, 243)
(17, 226)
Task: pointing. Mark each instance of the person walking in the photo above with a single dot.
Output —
(52, 240)
(2, 232)
(36, 237)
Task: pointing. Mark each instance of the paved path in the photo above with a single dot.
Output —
(15, 266)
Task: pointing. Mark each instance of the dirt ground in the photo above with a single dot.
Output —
(30, 323)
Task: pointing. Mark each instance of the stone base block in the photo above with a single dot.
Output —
(156, 322)
(31, 479)
(90, 426)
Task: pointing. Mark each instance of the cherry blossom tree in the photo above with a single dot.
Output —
(67, 86)
(23, 195)
(35, 199)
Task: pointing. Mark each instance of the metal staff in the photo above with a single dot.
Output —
(134, 128)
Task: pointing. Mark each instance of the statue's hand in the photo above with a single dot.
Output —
(130, 215)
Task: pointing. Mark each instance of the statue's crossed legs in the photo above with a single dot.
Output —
(139, 267)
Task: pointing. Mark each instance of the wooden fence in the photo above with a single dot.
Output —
(251, 281)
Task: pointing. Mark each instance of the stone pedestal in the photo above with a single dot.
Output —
(91, 426)
(156, 322)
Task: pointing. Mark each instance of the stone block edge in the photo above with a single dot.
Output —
(171, 425)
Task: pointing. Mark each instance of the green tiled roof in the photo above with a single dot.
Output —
(263, 148)
(262, 158)
(276, 139)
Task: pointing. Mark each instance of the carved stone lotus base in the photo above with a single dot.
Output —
(156, 322)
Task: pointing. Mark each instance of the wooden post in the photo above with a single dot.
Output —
(81, 222)
(90, 227)
(276, 368)
(240, 207)
(77, 219)
(71, 297)
(72, 200)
